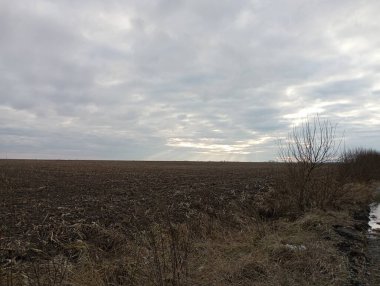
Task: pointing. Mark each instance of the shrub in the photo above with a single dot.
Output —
(309, 152)
(360, 165)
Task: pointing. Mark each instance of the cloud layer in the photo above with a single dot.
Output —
(183, 80)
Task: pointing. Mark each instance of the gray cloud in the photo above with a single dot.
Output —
(183, 80)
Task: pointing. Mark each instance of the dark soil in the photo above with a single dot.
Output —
(50, 209)
(42, 203)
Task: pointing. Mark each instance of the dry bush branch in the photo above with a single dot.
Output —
(360, 164)
(309, 147)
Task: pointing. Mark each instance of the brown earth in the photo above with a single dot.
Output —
(47, 205)
(119, 194)
(165, 223)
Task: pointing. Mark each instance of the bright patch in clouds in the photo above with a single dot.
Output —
(183, 80)
(215, 145)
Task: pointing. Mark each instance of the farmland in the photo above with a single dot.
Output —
(160, 223)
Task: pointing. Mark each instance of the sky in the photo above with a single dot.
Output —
(204, 80)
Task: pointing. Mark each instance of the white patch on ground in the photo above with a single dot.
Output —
(374, 217)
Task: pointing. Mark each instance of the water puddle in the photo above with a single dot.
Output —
(374, 218)
(373, 249)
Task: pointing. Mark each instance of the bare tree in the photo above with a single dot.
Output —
(308, 147)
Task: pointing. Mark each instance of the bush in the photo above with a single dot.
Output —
(309, 153)
(360, 164)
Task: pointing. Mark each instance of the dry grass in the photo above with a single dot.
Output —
(259, 253)
(250, 257)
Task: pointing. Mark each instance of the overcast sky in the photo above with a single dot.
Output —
(183, 80)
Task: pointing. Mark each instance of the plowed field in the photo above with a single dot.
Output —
(48, 205)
